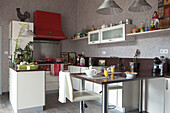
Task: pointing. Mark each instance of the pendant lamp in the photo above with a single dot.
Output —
(109, 7)
(27, 33)
(140, 6)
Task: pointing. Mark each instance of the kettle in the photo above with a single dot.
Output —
(91, 72)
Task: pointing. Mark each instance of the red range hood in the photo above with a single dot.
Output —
(47, 26)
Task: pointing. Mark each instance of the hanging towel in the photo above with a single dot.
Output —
(62, 87)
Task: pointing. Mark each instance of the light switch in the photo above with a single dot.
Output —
(6, 52)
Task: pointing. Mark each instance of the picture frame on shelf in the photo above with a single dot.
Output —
(166, 2)
(72, 57)
(160, 3)
(166, 12)
(102, 63)
(64, 56)
(161, 12)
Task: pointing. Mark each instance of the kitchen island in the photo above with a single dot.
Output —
(27, 90)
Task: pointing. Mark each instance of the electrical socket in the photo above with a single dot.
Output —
(103, 52)
(163, 51)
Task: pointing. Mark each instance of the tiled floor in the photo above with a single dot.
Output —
(53, 106)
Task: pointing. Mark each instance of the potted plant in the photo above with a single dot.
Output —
(134, 65)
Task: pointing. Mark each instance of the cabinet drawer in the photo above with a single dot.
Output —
(50, 78)
(52, 86)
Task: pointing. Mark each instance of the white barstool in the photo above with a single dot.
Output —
(81, 96)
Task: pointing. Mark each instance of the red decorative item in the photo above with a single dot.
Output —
(155, 16)
(48, 26)
(166, 12)
(152, 29)
(71, 61)
(57, 68)
(58, 59)
(49, 59)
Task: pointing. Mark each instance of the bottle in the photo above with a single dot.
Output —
(142, 27)
(152, 25)
(146, 25)
(78, 61)
(82, 61)
(90, 61)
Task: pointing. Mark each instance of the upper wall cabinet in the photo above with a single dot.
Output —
(48, 26)
(94, 37)
(111, 34)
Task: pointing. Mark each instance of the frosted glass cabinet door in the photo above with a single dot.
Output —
(113, 34)
(94, 37)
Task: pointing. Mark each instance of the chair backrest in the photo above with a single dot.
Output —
(69, 87)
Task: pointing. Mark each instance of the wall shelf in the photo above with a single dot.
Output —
(81, 38)
(147, 32)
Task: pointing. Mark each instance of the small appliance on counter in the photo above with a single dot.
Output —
(158, 65)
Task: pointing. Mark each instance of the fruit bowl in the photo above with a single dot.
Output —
(130, 75)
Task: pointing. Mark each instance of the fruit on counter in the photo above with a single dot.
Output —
(127, 72)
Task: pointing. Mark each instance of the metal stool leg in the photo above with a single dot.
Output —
(105, 98)
(82, 109)
(140, 95)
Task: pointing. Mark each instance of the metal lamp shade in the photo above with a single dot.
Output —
(140, 6)
(109, 7)
(27, 33)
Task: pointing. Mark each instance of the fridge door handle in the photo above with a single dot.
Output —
(166, 84)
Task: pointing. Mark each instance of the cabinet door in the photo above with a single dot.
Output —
(113, 98)
(167, 96)
(88, 86)
(94, 37)
(74, 69)
(113, 34)
(76, 83)
(155, 95)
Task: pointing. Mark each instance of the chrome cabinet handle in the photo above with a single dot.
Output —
(92, 42)
(110, 40)
(166, 84)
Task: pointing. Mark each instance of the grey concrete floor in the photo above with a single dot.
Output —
(53, 106)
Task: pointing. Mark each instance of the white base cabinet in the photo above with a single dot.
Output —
(167, 95)
(27, 89)
(155, 95)
(126, 98)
